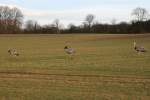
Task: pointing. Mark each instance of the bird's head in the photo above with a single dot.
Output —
(66, 47)
(9, 50)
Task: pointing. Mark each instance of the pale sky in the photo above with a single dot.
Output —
(74, 11)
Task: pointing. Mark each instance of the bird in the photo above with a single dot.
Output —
(139, 48)
(69, 50)
(13, 52)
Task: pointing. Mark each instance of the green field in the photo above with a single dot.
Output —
(104, 67)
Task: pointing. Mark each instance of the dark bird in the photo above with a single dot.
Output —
(139, 48)
(69, 50)
(13, 52)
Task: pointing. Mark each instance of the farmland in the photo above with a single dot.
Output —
(104, 67)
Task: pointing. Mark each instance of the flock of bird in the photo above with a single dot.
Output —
(71, 51)
(67, 49)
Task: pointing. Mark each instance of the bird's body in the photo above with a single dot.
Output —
(13, 52)
(69, 50)
(139, 48)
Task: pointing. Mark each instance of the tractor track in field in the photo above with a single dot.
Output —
(73, 77)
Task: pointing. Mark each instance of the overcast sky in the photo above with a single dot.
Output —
(74, 11)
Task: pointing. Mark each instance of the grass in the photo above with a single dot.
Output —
(105, 67)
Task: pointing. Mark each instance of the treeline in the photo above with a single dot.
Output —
(11, 21)
(123, 27)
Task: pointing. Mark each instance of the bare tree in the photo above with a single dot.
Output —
(29, 25)
(32, 26)
(113, 21)
(57, 25)
(17, 16)
(5, 16)
(140, 14)
(11, 19)
(89, 19)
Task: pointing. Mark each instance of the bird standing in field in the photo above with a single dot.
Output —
(69, 51)
(13, 52)
(138, 48)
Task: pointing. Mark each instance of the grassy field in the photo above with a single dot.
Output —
(104, 67)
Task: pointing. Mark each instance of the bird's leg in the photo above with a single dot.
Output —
(71, 56)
